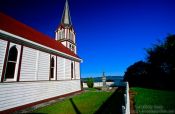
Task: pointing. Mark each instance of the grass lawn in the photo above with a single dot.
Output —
(89, 102)
(154, 101)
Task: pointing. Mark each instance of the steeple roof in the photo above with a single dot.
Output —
(66, 19)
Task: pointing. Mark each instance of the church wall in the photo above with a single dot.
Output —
(35, 65)
(77, 70)
(68, 45)
(3, 46)
(43, 66)
(75, 49)
(29, 64)
(64, 43)
(67, 69)
(21, 93)
(60, 68)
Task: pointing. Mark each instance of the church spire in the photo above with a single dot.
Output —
(65, 32)
(66, 19)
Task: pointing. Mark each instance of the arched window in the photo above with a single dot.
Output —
(11, 62)
(52, 68)
(72, 70)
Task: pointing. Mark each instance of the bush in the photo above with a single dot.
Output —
(109, 80)
(90, 82)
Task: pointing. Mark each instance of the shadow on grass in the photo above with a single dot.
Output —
(31, 113)
(74, 106)
(113, 105)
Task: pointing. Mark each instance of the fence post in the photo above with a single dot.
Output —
(127, 99)
(123, 110)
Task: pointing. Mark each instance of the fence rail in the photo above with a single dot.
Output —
(126, 107)
(98, 84)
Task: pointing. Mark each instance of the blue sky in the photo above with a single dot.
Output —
(111, 34)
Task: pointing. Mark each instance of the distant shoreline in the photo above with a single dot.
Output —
(108, 78)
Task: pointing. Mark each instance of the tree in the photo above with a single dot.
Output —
(162, 60)
(90, 82)
(136, 74)
(158, 70)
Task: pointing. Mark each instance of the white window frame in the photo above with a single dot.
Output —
(18, 47)
(54, 73)
(72, 70)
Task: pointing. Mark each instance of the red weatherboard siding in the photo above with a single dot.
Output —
(13, 26)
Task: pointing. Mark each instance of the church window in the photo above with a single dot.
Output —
(72, 70)
(52, 67)
(11, 63)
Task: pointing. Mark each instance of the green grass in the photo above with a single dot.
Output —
(91, 89)
(154, 101)
(86, 103)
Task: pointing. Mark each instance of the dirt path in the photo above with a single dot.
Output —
(132, 104)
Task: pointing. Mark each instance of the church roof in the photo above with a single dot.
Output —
(15, 27)
(66, 18)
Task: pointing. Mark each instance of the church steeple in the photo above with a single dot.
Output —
(65, 32)
(66, 18)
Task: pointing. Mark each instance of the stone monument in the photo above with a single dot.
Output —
(104, 87)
